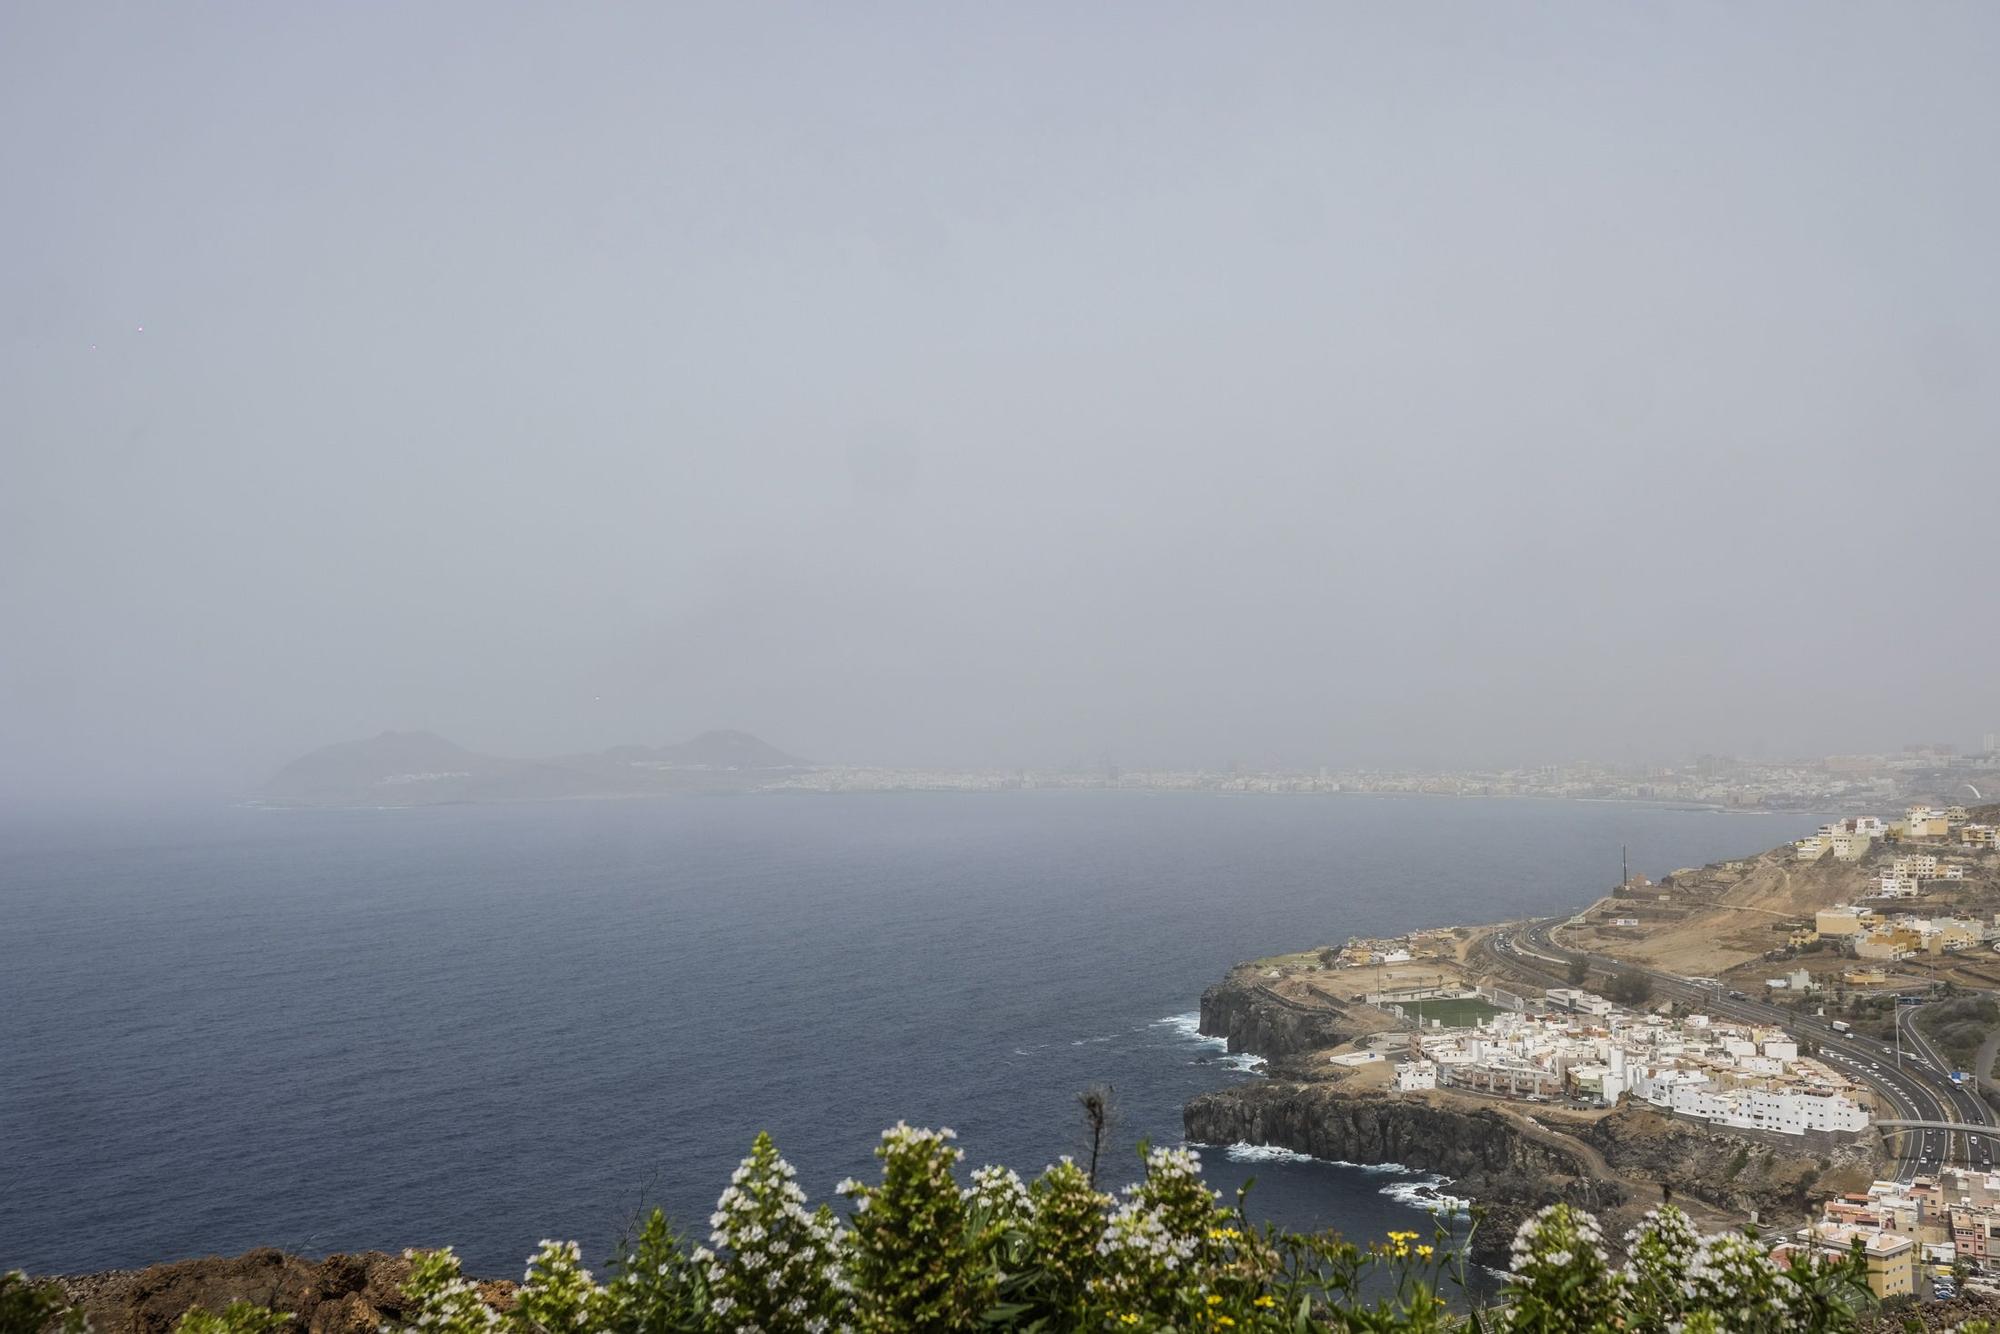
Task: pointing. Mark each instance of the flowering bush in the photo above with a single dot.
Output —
(772, 1267)
(445, 1301)
(658, 1286)
(920, 1253)
(913, 1261)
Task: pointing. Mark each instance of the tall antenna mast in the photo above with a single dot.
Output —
(1624, 870)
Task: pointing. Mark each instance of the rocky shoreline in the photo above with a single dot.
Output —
(1506, 1174)
(1261, 1023)
(1508, 1162)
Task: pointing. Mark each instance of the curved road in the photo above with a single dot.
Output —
(1919, 1091)
(1965, 1105)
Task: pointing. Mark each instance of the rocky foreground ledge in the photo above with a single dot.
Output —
(342, 1294)
(354, 1294)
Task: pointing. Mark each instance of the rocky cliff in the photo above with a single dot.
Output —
(1511, 1164)
(1779, 1181)
(1263, 1024)
(1488, 1155)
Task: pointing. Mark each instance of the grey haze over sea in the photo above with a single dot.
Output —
(486, 1025)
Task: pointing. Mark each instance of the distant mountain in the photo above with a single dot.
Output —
(424, 769)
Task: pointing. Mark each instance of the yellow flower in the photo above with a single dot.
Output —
(1128, 1319)
(1214, 1300)
(1266, 1300)
(1224, 1321)
(1425, 1252)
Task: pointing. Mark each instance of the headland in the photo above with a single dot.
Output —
(1751, 1037)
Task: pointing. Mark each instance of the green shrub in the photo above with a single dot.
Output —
(237, 1318)
(28, 1308)
(919, 1253)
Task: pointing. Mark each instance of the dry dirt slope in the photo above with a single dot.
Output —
(1708, 920)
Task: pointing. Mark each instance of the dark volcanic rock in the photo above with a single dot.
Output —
(1780, 1181)
(1488, 1157)
(1257, 1021)
(1327, 1122)
(342, 1294)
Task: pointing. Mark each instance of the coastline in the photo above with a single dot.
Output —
(1330, 1039)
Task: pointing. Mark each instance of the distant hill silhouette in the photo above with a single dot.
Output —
(424, 769)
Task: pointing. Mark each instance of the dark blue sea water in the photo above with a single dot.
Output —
(487, 1025)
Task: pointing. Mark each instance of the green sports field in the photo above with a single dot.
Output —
(1452, 1013)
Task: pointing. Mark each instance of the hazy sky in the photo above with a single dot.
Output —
(996, 384)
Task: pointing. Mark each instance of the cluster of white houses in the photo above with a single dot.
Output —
(1582, 1047)
(1849, 840)
(1904, 877)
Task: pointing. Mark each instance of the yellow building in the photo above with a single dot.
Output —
(1927, 823)
(1892, 1265)
(1953, 935)
(1895, 943)
(1802, 937)
(1837, 922)
(1865, 977)
(1891, 1258)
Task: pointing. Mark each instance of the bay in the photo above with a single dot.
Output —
(482, 1026)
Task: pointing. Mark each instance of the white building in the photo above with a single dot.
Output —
(1743, 1075)
(1578, 1001)
(1416, 1075)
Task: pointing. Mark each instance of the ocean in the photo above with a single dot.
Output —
(341, 1030)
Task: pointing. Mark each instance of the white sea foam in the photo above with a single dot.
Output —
(1189, 1026)
(1427, 1194)
(1426, 1191)
(1244, 1061)
(1244, 1152)
(1264, 1153)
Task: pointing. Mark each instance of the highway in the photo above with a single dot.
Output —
(1967, 1106)
(1920, 1090)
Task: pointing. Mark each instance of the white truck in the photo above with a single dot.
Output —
(1840, 1026)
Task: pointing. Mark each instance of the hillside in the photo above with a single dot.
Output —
(1706, 920)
